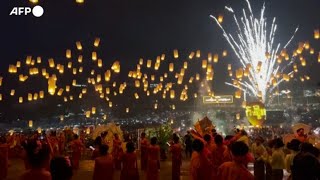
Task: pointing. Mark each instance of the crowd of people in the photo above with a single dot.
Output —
(211, 156)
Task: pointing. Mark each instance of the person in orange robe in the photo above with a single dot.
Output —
(62, 143)
(217, 154)
(201, 165)
(176, 150)
(76, 146)
(104, 165)
(117, 151)
(236, 170)
(4, 153)
(38, 155)
(153, 165)
(129, 164)
(144, 151)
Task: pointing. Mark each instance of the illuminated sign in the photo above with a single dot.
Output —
(217, 99)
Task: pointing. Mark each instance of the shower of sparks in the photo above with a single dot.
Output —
(253, 44)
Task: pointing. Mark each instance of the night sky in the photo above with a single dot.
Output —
(130, 29)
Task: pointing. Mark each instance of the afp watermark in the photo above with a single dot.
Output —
(37, 11)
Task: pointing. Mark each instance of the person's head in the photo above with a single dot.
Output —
(218, 139)
(104, 149)
(60, 168)
(98, 141)
(153, 141)
(37, 153)
(75, 136)
(278, 143)
(197, 145)
(300, 132)
(306, 147)
(130, 147)
(143, 135)
(207, 138)
(294, 145)
(239, 149)
(176, 139)
(213, 132)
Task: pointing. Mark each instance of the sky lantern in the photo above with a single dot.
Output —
(171, 67)
(215, 58)
(238, 94)
(136, 95)
(79, 46)
(96, 42)
(51, 85)
(51, 63)
(110, 104)
(93, 110)
(20, 100)
(61, 70)
(191, 55)
(318, 61)
(60, 92)
(127, 110)
(229, 67)
(80, 59)
(80, 1)
(149, 63)
(311, 51)
(1, 78)
(163, 57)
(84, 91)
(98, 78)
(74, 82)
(43, 71)
(220, 18)
(156, 66)
(156, 106)
(239, 73)
(204, 64)
(88, 114)
(18, 64)
(39, 60)
(198, 54)
(69, 65)
(141, 61)
(28, 60)
(71, 98)
(197, 77)
(224, 53)
(153, 77)
(41, 94)
(12, 92)
(137, 83)
(74, 71)
(172, 94)
(94, 56)
(107, 75)
(116, 67)
(175, 54)
(317, 34)
(107, 90)
(0, 97)
(30, 123)
(99, 63)
(30, 97)
(65, 99)
(180, 79)
(35, 96)
(68, 54)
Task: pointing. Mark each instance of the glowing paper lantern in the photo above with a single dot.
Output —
(94, 56)
(256, 113)
(30, 123)
(141, 61)
(80, 59)
(116, 67)
(220, 18)
(191, 55)
(172, 94)
(41, 94)
(100, 63)
(80, 1)
(316, 34)
(197, 77)
(136, 95)
(20, 99)
(0, 97)
(149, 63)
(204, 64)
(74, 82)
(163, 56)
(96, 42)
(68, 54)
(51, 85)
(79, 46)
(215, 58)
(60, 92)
(12, 92)
(110, 104)
(224, 53)
(238, 94)
(51, 63)
(88, 114)
(175, 54)
(198, 55)
(35, 96)
(93, 110)
(127, 110)
(171, 67)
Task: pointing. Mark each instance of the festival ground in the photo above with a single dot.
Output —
(16, 168)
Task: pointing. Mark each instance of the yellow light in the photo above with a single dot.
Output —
(171, 67)
(69, 65)
(198, 54)
(12, 92)
(136, 95)
(316, 34)
(197, 77)
(60, 92)
(94, 56)
(79, 46)
(93, 110)
(149, 63)
(96, 42)
(35, 96)
(141, 61)
(34, 1)
(191, 55)
(30, 124)
(0, 97)
(220, 18)
(127, 110)
(163, 57)
(68, 54)
(172, 94)
(224, 53)
(74, 82)
(80, 1)
(229, 67)
(88, 114)
(41, 94)
(20, 99)
(110, 104)
(51, 85)
(175, 54)
(100, 63)
(215, 58)
(80, 59)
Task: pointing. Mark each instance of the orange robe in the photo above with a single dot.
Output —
(103, 168)
(200, 166)
(153, 162)
(227, 156)
(76, 146)
(116, 153)
(176, 150)
(144, 153)
(217, 158)
(234, 171)
(4, 153)
(129, 167)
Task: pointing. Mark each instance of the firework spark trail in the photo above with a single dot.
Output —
(250, 44)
